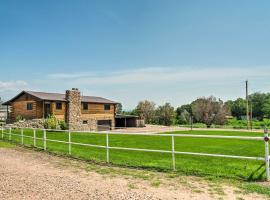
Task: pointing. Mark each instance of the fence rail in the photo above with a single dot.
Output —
(8, 132)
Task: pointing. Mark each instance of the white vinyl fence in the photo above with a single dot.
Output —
(265, 139)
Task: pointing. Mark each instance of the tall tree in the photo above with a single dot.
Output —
(258, 102)
(119, 108)
(209, 111)
(266, 106)
(146, 110)
(183, 114)
(165, 114)
(237, 107)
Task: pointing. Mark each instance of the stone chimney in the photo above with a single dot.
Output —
(73, 111)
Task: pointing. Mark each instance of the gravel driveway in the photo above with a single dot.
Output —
(27, 174)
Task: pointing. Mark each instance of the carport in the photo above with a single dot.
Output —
(126, 121)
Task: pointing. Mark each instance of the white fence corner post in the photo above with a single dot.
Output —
(34, 132)
(173, 154)
(22, 135)
(44, 140)
(266, 139)
(107, 148)
(9, 133)
(69, 142)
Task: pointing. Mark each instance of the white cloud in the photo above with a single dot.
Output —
(12, 85)
(162, 74)
(70, 76)
(177, 85)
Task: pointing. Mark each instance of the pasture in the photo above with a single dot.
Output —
(231, 168)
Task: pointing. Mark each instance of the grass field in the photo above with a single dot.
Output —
(248, 170)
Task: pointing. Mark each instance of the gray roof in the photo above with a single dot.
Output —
(61, 97)
(125, 116)
(47, 96)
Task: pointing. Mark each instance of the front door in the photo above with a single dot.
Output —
(47, 109)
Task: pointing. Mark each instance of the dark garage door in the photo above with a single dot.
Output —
(104, 125)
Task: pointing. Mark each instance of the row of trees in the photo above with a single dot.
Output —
(205, 110)
(208, 110)
(163, 114)
(151, 113)
(260, 106)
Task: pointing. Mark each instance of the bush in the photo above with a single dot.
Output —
(63, 125)
(256, 124)
(199, 125)
(51, 122)
(195, 125)
(19, 118)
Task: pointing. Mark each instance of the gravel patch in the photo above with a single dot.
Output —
(26, 174)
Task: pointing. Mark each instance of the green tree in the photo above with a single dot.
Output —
(165, 114)
(237, 107)
(146, 110)
(119, 108)
(266, 107)
(209, 111)
(130, 112)
(258, 102)
(183, 114)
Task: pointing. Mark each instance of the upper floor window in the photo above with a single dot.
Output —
(85, 106)
(107, 107)
(58, 106)
(29, 106)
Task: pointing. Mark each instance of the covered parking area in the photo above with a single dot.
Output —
(124, 121)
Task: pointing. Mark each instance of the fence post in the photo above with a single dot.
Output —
(44, 140)
(9, 133)
(173, 155)
(266, 139)
(69, 142)
(22, 135)
(34, 138)
(107, 147)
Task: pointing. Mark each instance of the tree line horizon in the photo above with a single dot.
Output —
(207, 110)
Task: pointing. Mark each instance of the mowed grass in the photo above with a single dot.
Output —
(185, 164)
(5, 145)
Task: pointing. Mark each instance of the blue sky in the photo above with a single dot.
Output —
(165, 51)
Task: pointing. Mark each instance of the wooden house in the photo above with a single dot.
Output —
(80, 112)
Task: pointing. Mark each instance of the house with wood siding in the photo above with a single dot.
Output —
(79, 112)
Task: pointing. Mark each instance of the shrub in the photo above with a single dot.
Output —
(256, 124)
(51, 122)
(19, 118)
(63, 125)
(199, 125)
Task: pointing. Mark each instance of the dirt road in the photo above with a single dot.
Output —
(160, 129)
(27, 174)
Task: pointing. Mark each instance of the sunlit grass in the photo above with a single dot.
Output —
(185, 164)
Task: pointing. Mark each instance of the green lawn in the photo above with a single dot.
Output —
(5, 145)
(185, 164)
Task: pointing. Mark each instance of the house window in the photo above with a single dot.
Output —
(29, 106)
(58, 106)
(85, 122)
(85, 106)
(107, 107)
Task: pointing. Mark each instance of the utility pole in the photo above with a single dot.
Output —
(191, 121)
(247, 113)
(251, 125)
